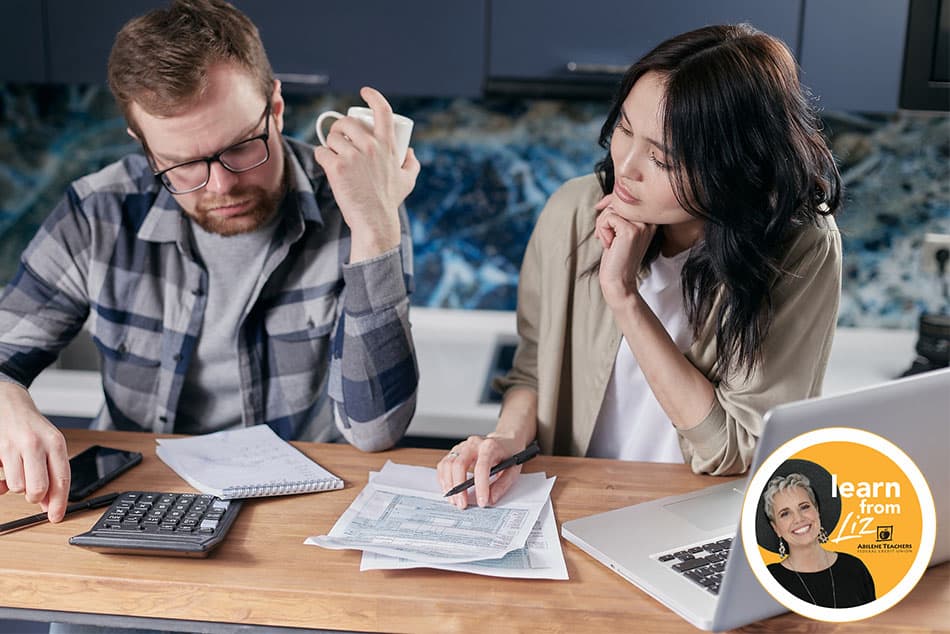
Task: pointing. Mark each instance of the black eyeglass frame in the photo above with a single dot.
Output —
(216, 158)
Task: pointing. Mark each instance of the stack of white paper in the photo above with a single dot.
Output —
(401, 520)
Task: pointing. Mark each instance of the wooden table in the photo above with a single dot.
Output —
(263, 574)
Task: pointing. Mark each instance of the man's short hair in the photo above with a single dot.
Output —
(161, 60)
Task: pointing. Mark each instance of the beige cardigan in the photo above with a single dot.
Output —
(569, 341)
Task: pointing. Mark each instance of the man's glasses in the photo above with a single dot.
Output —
(190, 176)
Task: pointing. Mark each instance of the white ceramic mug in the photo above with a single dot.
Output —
(401, 124)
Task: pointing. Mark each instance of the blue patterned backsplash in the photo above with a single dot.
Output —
(489, 165)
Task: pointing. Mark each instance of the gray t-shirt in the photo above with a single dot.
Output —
(211, 397)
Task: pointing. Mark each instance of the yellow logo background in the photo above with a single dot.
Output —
(888, 561)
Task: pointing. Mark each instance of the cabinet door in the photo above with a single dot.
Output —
(852, 53)
(538, 39)
(420, 47)
(81, 35)
(22, 42)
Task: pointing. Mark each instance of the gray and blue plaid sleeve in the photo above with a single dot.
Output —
(45, 304)
(373, 370)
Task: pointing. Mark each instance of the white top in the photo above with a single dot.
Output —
(631, 424)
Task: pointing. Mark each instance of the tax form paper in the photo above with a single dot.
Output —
(401, 520)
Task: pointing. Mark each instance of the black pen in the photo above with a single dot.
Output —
(92, 503)
(522, 456)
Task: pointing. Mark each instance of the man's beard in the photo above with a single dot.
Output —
(264, 208)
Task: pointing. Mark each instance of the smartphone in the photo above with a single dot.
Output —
(95, 466)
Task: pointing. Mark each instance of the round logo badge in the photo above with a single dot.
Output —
(838, 524)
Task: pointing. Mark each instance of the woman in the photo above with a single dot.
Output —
(669, 300)
(811, 573)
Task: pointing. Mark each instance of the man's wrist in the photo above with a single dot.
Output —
(15, 396)
(367, 251)
(367, 243)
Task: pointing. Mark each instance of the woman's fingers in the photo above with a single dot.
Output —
(453, 469)
(604, 202)
(503, 482)
(476, 456)
(490, 453)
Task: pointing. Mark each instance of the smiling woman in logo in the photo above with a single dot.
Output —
(668, 300)
(813, 574)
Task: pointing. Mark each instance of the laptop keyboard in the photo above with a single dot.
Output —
(701, 563)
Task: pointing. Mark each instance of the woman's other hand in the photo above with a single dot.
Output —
(625, 243)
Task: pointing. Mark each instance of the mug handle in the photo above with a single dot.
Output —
(319, 124)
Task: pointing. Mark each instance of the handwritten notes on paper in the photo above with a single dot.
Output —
(242, 463)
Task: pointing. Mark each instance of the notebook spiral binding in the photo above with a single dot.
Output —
(281, 488)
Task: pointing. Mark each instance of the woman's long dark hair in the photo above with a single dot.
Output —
(748, 157)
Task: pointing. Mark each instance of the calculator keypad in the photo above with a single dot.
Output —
(164, 513)
(161, 523)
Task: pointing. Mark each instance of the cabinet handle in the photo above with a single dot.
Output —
(596, 69)
(308, 79)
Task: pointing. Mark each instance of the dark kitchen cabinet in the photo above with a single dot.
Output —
(565, 40)
(423, 47)
(81, 35)
(852, 52)
(23, 41)
(415, 48)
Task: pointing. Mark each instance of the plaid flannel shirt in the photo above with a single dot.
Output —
(323, 341)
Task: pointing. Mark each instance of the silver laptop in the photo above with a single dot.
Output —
(913, 413)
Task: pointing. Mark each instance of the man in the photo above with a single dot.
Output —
(224, 282)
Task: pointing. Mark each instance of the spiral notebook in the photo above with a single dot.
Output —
(244, 463)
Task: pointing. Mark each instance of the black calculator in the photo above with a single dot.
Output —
(155, 523)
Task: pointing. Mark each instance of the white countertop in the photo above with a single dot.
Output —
(865, 356)
(455, 349)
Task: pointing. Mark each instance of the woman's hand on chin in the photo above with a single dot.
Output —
(625, 243)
